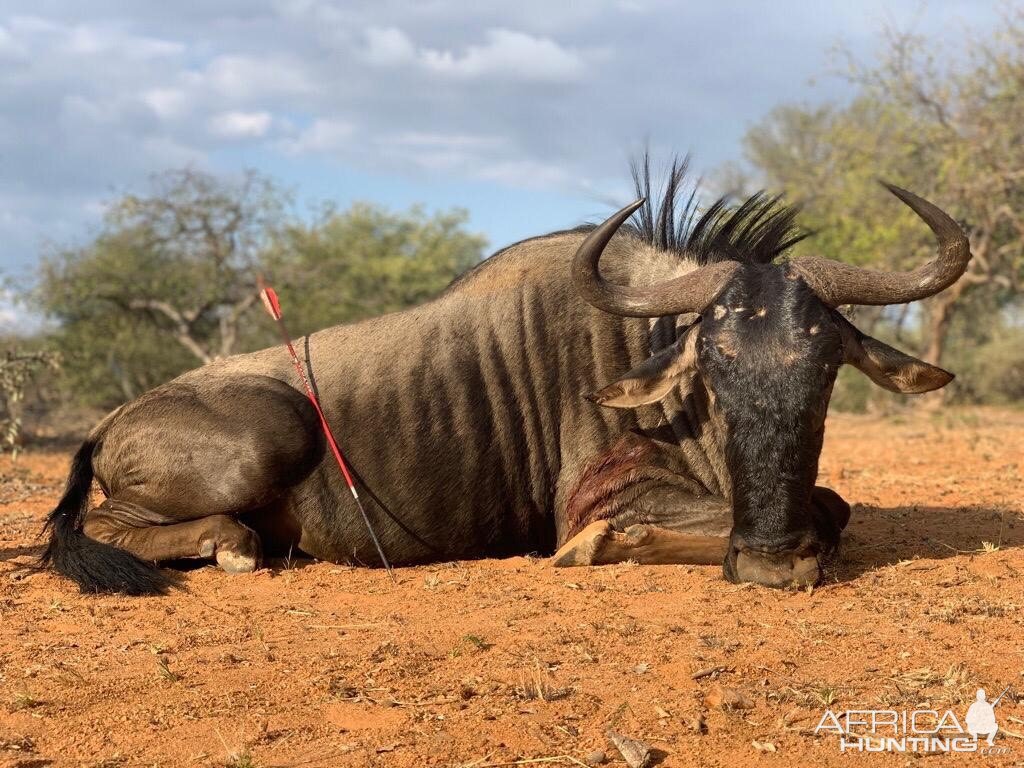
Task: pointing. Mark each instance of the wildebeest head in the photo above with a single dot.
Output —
(766, 349)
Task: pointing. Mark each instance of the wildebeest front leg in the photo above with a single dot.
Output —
(152, 536)
(601, 544)
(661, 530)
(664, 525)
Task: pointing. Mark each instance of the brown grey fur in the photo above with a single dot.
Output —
(465, 418)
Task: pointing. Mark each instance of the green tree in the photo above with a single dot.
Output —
(366, 261)
(171, 280)
(165, 286)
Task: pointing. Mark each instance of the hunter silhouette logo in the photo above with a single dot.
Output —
(919, 730)
(981, 716)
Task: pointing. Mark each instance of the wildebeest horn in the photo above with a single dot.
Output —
(836, 283)
(689, 293)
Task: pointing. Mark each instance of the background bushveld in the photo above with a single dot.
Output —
(169, 280)
(170, 283)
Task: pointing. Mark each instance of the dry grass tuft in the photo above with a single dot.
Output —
(535, 686)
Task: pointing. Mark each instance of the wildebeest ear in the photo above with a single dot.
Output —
(653, 378)
(888, 367)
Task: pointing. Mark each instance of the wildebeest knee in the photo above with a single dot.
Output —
(104, 527)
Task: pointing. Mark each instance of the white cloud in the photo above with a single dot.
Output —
(510, 54)
(388, 46)
(163, 152)
(76, 109)
(236, 124)
(506, 54)
(458, 152)
(165, 102)
(25, 24)
(92, 40)
(528, 173)
(11, 312)
(327, 135)
(85, 39)
(241, 77)
(10, 47)
(444, 140)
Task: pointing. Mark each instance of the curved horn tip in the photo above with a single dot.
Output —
(607, 229)
(898, 191)
(617, 219)
(940, 222)
(634, 206)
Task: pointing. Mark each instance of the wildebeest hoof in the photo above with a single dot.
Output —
(583, 548)
(241, 552)
(237, 547)
(234, 562)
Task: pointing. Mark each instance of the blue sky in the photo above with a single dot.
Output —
(523, 113)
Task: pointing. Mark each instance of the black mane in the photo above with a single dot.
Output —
(753, 232)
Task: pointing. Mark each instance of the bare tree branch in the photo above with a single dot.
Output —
(229, 324)
(181, 329)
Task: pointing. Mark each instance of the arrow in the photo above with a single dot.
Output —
(273, 307)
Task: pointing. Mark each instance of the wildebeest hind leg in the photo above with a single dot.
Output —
(152, 536)
(601, 544)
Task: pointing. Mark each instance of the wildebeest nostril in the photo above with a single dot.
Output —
(787, 569)
(805, 544)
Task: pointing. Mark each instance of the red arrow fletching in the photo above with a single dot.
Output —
(271, 303)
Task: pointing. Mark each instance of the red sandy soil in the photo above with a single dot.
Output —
(503, 662)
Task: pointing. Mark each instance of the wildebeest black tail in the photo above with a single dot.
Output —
(93, 565)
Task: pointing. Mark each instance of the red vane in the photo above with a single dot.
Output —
(269, 296)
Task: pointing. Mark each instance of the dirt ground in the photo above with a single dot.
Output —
(512, 662)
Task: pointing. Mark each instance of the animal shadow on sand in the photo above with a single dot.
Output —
(14, 553)
(881, 536)
(876, 537)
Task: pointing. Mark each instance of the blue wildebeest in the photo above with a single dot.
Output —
(667, 407)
